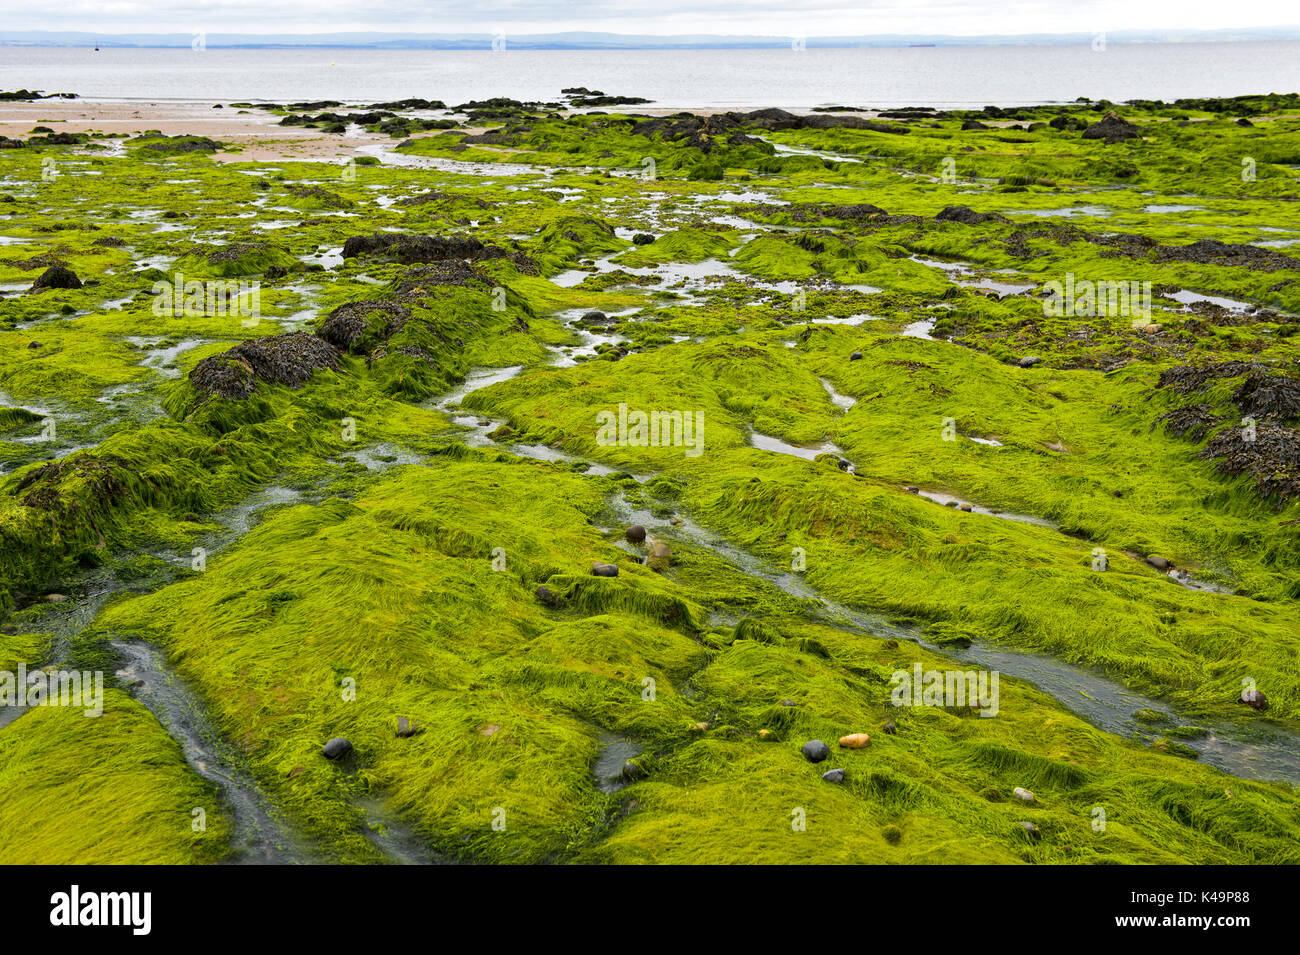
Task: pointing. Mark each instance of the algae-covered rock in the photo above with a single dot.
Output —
(56, 276)
(659, 558)
(548, 597)
(418, 249)
(1112, 129)
(967, 216)
(290, 359)
(362, 326)
(235, 259)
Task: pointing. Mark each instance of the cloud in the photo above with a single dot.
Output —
(749, 17)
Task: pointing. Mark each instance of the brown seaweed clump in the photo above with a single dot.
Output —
(289, 359)
(1271, 459)
(352, 322)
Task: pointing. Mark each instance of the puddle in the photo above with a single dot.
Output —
(920, 329)
(1064, 213)
(1264, 753)
(766, 442)
(843, 402)
(1188, 297)
(949, 500)
(614, 751)
(258, 836)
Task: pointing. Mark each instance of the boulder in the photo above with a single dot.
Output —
(967, 216)
(635, 534)
(1112, 129)
(833, 775)
(815, 750)
(336, 748)
(56, 276)
(604, 570)
(1255, 699)
(660, 558)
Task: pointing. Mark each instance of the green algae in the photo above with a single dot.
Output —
(110, 790)
(415, 586)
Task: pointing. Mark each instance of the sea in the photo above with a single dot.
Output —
(945, 77)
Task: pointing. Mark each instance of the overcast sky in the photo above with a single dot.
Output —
(766, 17)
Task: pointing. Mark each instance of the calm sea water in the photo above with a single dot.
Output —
(950, 77)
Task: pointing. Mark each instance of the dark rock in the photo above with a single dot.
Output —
(642, 238)
(633, 770)
(974, 124)
(890, 728)
(815, 750)
(856, 211)
(407, 728)
(1244, 122)
(56, 276)
(547, 596)
(604, 570)
(636, 534)
(33, 344)
(1112, 129)
(833, 776)
(1255, 699)
(1031, 830)
(913, 489)
(967, 216)
(1029, 361)
(856, 356)
(1158, 562)
(336, 748)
